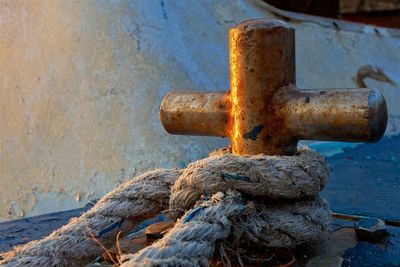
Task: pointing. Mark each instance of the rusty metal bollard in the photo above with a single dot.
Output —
(265, 112)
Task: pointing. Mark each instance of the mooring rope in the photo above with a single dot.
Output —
(269, 201)
(120, 210)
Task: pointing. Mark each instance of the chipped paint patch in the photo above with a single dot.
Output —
(253, 133)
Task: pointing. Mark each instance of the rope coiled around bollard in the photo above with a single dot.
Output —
(269, 201)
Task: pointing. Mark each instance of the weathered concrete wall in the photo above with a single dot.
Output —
(81, 83)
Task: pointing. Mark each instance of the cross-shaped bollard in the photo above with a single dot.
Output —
(265, 112)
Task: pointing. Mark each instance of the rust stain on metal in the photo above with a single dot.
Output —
(265, 112)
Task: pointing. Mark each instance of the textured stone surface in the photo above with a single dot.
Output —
(81, 83)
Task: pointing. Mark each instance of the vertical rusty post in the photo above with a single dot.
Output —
(262, 62)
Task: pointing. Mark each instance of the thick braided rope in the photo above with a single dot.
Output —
(192, 241)
(301, 217)
(120, 210)
(296, 179)
(272, 177)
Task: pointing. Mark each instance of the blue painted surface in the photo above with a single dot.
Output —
(329, 149)
(365, 180)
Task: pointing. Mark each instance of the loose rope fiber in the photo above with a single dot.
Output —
(269, 201)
